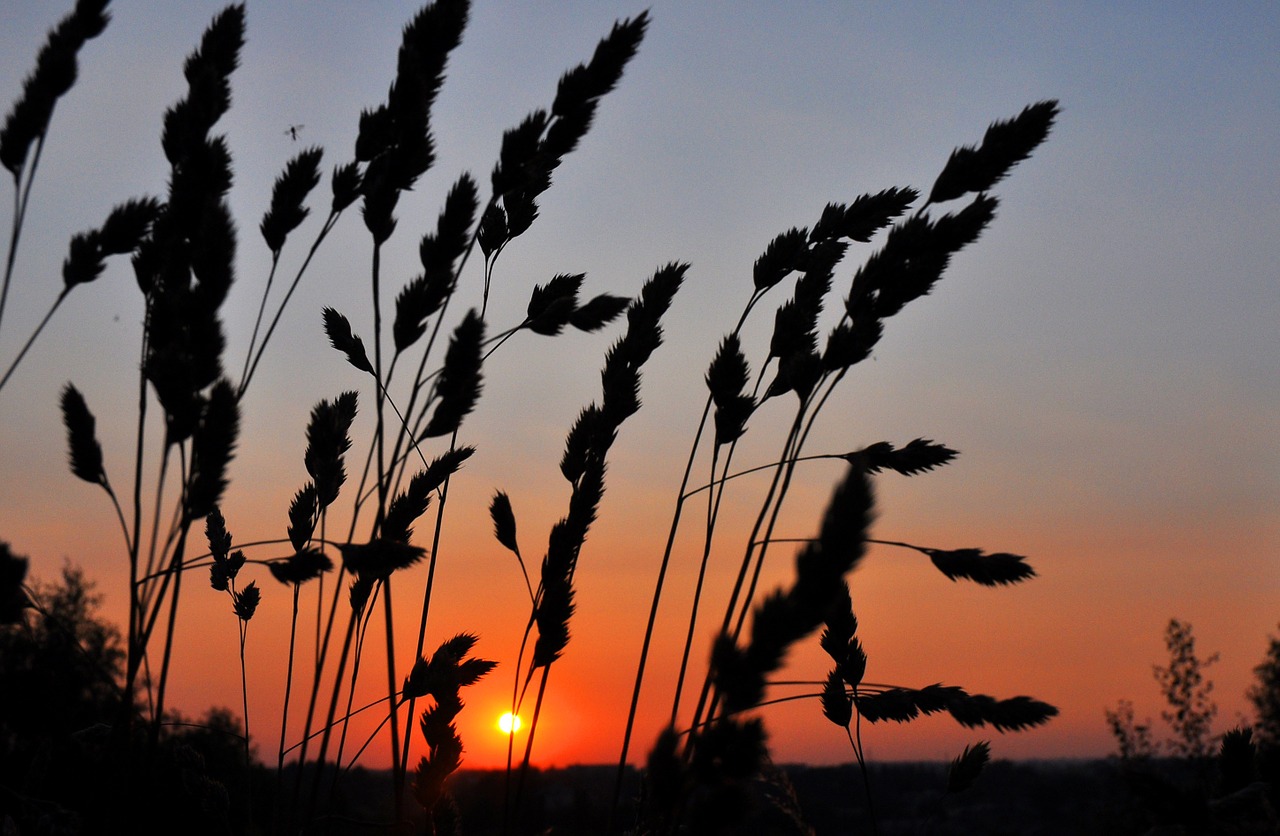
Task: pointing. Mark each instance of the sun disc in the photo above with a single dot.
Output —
(509, 723)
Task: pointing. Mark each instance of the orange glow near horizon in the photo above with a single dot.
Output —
(1003, 642)
(917, 627)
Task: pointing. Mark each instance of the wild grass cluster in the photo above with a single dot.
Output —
(368, 520)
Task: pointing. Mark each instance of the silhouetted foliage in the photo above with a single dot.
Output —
(1187, 691)
(63, 672)
(13, 571)
(62, 669)
(1132, 738)
(1265, 696)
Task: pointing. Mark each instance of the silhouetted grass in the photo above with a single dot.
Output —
(710, 770)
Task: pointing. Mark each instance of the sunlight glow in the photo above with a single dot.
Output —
(509, 723)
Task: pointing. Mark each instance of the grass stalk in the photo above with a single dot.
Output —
(329, 721)
(362, 631)
(163, 682)
(528, 743)
(426, 608)
(664, 564)
(284, 712)
(244, 703)
(257, 320)
(397, 765)
(34, 335)
(706, 704)
(855, 739)
(250, 368)
(19, 215)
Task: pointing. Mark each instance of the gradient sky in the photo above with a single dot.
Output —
(1105, 358)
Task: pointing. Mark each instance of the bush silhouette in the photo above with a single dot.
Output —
(1265, 695)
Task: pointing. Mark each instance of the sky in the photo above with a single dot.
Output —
(1104, 358)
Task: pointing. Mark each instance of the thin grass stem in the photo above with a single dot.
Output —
(19, 214)
(436, 534)
(327, 731)
(15, 232)
(34, 334)
(372, 704)
(257, 321)
(275, 320)
(776, 489)
(712, 506)
(284, 714)
(244, 701)
(528, 743)
(664, 565)
(397, 766)
(862, 767)
(361, 632)
(162, 684)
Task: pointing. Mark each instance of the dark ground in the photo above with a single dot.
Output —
(1043, 798)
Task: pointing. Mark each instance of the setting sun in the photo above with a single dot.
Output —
(509, 723)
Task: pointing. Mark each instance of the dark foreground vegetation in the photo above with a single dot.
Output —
(61, 696)
(1034, 798)
(1107, 797)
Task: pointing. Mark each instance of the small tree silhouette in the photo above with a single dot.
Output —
(1133, 738)
(1191, 709)
(1186, 691)
(62, 664)
(1265, 696)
